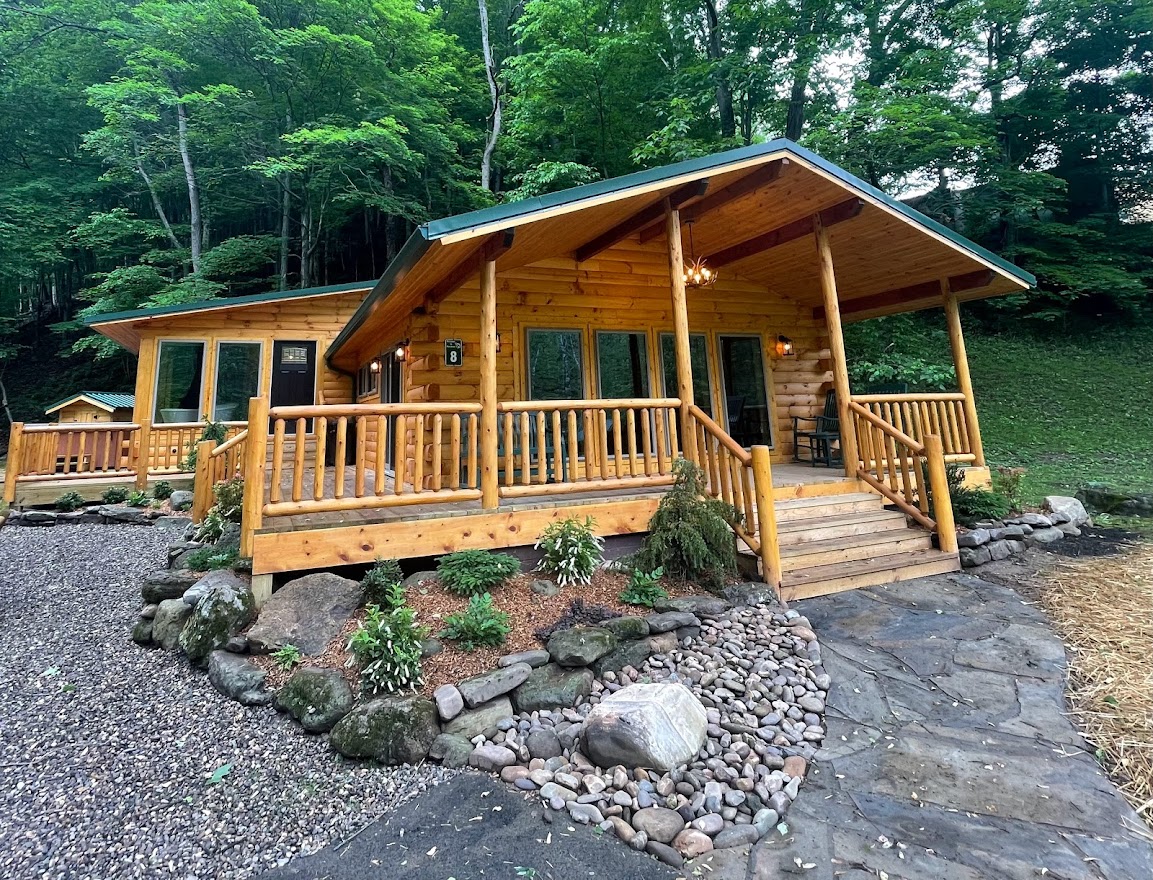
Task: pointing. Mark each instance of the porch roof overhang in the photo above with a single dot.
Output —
(125, 327)
(752, 211)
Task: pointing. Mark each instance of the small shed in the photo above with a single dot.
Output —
(93, 406)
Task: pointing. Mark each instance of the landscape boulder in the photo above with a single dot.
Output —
(483, 688)
(710, 606)
(308, 612)
(317, 698)
(226, 608)
(238, 678)
(580, 646)
(656, 726)
(180, 499)
(627, 654)
(171, 617)
(166, 584)
(391, 730)
(481, 720)
(449, 702)
(131, 515)
(451, 750)
(551, 687)
(142, 632)
(1070, 507)
(627, 628)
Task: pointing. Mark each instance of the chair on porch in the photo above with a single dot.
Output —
(819, 439)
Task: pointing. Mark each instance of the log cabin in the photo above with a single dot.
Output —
(92, 406)
(553, 357)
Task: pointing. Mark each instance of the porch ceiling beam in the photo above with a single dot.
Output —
(644, 217)
(761, 177)
(838, 213)
(928, 292)
(490, 248)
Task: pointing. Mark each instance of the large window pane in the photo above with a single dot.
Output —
(746, 396)
(179, 370)
(699, 357)
(555, 365)
(237, 379)
(623, 364)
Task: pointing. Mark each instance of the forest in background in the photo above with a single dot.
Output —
(165, 151)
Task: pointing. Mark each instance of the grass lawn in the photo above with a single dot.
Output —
(1070, 410)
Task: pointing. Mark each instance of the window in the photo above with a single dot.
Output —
(179, 381)
(623, 364)
(237, 379)
(749, 421)
(368, 379)
(294, 356)
(699, 358)
(555, 365)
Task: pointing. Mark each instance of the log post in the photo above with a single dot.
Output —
(836, 347)
(489, 465)
(961, 365)
(202, 482)
(766, 517)
(681, 328)
(142, 454)
(255, 461)
(939, 487)
(15, 465)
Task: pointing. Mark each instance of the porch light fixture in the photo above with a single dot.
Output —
(498, 343)
(785, 347)
(696, 273)
(401, 351)
(374, 365)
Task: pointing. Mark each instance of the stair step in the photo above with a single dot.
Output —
(826, 506)
(890, 568)
(795, 557)
(867, 523)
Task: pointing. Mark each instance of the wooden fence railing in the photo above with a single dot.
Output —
(75, 450)
(919, 415)
(564, 446)
(215, 464)
(910, 473)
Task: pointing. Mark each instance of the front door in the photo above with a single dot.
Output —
(390, 392)
(293, 374)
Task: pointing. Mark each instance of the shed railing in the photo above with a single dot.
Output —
(71, 451)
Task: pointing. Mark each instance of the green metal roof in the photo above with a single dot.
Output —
(225, 303)
(419, 242)
(113, 399)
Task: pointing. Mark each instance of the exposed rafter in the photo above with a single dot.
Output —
(642, 218)
(838, 213)
(927, 291)
(490, 248)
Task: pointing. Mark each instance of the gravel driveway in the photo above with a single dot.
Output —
(107, 750)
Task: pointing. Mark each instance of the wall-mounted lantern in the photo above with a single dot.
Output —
(401, 351)
(785, 347)
(374, 365)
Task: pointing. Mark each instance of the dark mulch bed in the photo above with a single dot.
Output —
(1095, 541)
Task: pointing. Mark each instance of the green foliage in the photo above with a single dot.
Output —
(215, 431)
(70, 501)
(115, 495)
(1007, 483)
(571, 551)
(162, 490)
(210, 559)
(228, 496)
(901, 348)
(382, 584)
(481, 625)
(644, 588)
(387, 647)
(287, 657)
(137, 498)
(691, 537)
(470, 572)
(971, 504)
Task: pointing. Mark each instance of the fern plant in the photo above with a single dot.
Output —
(471, 572)
(216, 431)
(571, 551)
(644, 588)
(387, 647)
(481, 625)
(972, 504)
(691, 537)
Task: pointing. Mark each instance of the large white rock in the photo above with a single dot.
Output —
(655, 726)
(1071, 507)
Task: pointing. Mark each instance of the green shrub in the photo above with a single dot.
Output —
(138, 499)
(690, 536)
(481, 625)
(211, 559)
(217, 431)
(571, 551)
(382, 584)
(387, 646)
(115, 495)
(229, 496)
(971, 504)
(70, 501)
(287, 657)
(162, 490)
(471, 572)
(1007, 483)
(644, 588)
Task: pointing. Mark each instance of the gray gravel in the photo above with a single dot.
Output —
(107, 750)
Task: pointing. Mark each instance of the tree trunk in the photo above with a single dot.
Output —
(306, 246)
(285, 227)
(494, 94)
(795, 120)
(197, 229)
(157, 206)
(723, 89)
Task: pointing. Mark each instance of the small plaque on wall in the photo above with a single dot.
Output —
(454, 353)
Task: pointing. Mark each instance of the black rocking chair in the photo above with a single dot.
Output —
(819, 440)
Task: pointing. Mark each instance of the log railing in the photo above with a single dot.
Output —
(215, 464)
(742, 479)
(168, 444)
(565, 446)
(910, 473)
(918, 415)
(74, 450)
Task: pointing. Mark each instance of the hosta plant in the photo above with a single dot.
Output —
(571, 552)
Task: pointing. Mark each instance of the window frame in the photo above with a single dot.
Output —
(710, 372)
(373, 386)
(643, 334)
(582, 334)
(259, 343)
(204, 344)
(766, 372)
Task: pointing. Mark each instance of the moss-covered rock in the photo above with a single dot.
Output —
(551, 687)
(627, 629)
(317, 698)
(391, 730)
(627, 654)
(581, 645)
(227, 606)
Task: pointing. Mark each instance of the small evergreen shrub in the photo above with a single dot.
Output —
(387, 647)
(644, 588)
(70, 501)
(217, 431)
(971, 504)
(162, 490)
(229, 495)
(211, 559)
(571, 551)
(1007, 484)
(382, 584)
(115, 495)
(138, 499)
(287, 657)
(471, 572)
(481, 625)
(690, 537)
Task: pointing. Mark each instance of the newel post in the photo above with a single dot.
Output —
(489, 465)
(836, 347)
(202, 481)
(255, 459)
(766, 517)
(681, 328)
(961, 365)
(142, 457)
(939, 488)
(15, 465)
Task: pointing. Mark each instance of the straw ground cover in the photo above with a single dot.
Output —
(1102, 608)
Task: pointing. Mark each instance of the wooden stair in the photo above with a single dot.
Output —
(842, 542)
